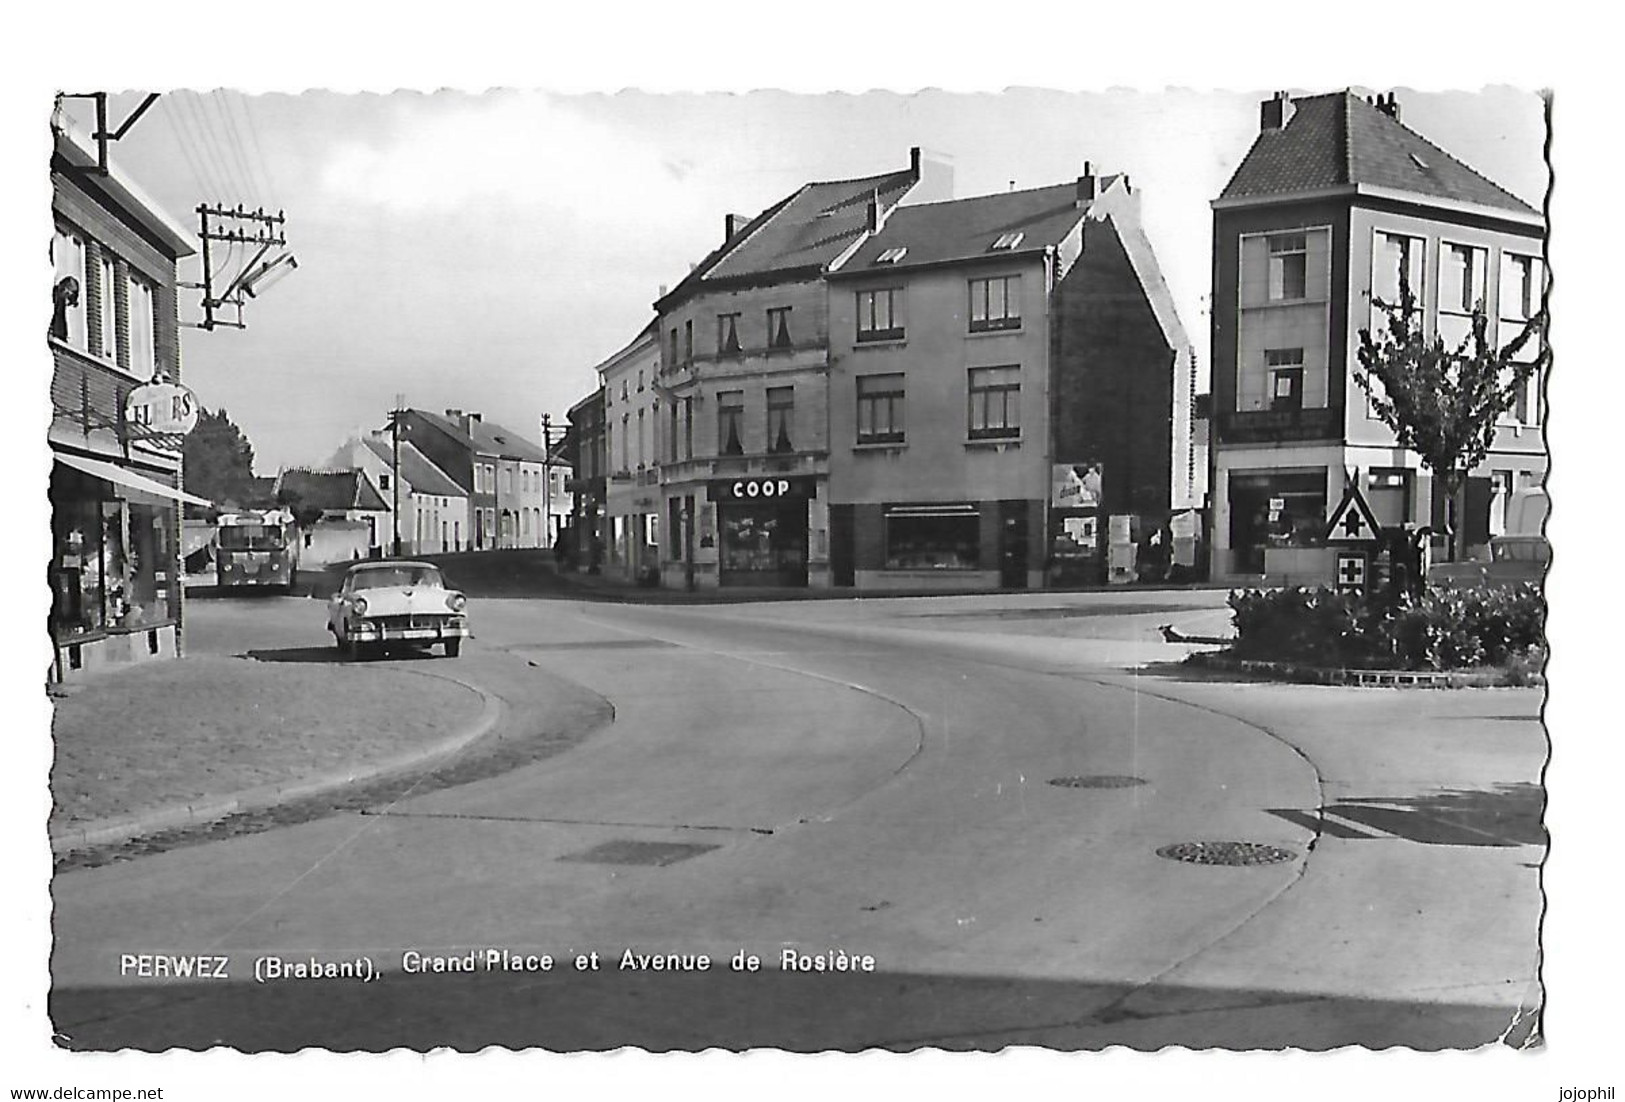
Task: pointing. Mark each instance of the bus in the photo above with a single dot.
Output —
(256, 549)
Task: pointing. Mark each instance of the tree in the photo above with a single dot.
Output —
(1443, 403)
(219, 459)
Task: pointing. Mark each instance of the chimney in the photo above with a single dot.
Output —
(1275, 112)
(473, 417)
(1389, 105)
(872, 209)
(933, 177)
(1086, 185)
(454, 415)
(732, 224)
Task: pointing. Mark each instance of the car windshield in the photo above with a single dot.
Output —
(383, 577)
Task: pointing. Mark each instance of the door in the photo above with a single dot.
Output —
(1013, 544)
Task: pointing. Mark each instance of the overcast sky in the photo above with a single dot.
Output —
(486, 251)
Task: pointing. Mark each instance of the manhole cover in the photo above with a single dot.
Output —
(1098, 780)
(1226, 853)
(658, 854)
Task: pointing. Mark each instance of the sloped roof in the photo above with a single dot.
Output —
(350, 489)
(965, 229)
(810, 227)
(1338, 139)
(492, 437)
(420, 474)
(450, 428)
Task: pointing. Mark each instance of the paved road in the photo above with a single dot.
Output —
(870, 779)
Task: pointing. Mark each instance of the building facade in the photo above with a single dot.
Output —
(584, 447)
(115, 492)
(741, 422)
(434, 510)
(1335, 204)
(633, 500)
(972, 361)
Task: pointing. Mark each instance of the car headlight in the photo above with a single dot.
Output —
(360, 606)
(456, 601)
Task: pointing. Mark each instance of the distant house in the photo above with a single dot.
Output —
(502, 472)
(351, 513)
(434, 510)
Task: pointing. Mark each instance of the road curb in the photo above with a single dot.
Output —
(103, 832)
(1336, 675)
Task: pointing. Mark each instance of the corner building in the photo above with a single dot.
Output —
(1335, 202)
(740, 398)
(978, 348)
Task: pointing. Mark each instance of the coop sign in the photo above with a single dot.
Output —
(760, 489)
(161, 409)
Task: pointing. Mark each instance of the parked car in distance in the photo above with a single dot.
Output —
(391, 603)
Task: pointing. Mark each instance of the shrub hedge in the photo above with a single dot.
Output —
(1443, 629)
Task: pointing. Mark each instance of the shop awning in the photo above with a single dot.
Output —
(136, 487)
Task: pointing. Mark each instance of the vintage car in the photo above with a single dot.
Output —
(396, 604)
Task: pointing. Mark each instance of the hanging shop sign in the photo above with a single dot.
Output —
(159, 410)
(762, 489)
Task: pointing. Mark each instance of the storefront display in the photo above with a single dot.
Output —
(762, 528)
(933, 537)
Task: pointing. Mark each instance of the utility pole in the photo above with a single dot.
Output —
(547, 478)
(256, 229)
(395, 469)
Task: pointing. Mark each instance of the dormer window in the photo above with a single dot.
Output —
(892, 256)
(1006, 241)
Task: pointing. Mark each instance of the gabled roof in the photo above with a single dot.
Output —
(966, 229)
(450, 428)
(1338, 139)
(350, 489)
(420, 474)
(505, 443)
(809, 228)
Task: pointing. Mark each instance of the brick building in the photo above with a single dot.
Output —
(115, 491)
(1335, 202)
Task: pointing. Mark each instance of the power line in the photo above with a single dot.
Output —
(259, 160)
(222, 105)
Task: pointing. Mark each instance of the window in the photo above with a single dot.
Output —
(643, 436)
(778, 327)
(995, 303)
(107, 301)
(728, 335)
(878, 315)
(1289, 267)
(1521, 298)
(688, 428)
(674, 361)
(880, 408)
(730, 422)
(383, 482)
(143, 351)
(626, 442)
(1396, 258)
(671, 441)
(1286, 377)
(68, 288)
(1006, 241)
(933, 537)
(892, 256)
(995, 402)
(640, 380)
(688, 344)
(781, 409)
(1462, 271)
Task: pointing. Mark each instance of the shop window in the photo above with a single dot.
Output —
(933, 537)
(763, 538)
(995, 402)
(781, 409)
(879, 315)
(68, 288)
(880, 409)
(730, 422)
(1289, 267)
(1388, 492)
(778, 327)
(995, 304)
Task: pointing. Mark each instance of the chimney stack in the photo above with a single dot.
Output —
(872, 211)
(1086, 185)
(914, 161)
(1389, 105)
(1275, 112)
